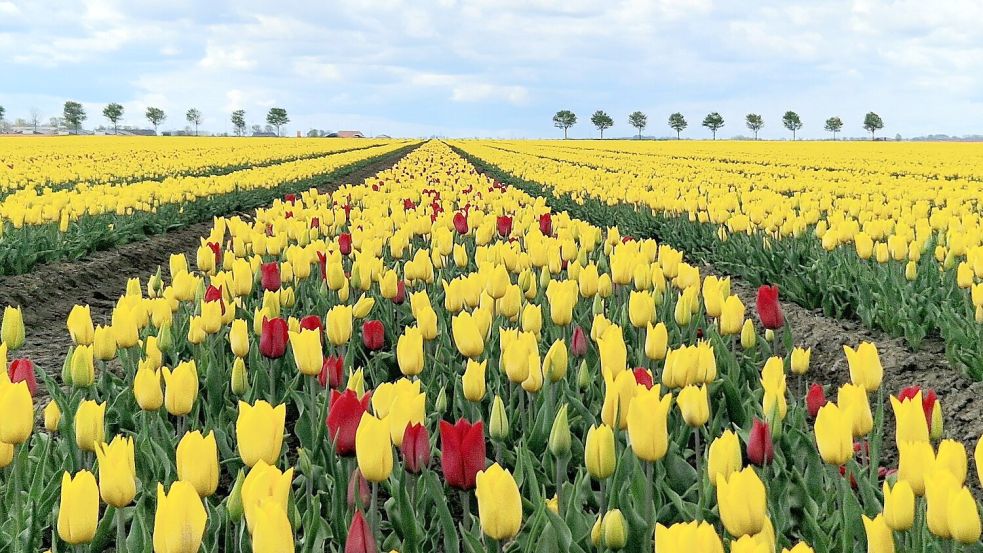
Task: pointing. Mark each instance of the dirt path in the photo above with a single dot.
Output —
(48, 292)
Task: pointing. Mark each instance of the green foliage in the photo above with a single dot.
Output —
(564, 119)
(873, 123)
(113, 112)
(278, 118)
(239, 121)
(677, 123)
(834, 125)
(638, 120)
(74, 114)
(602, 121)
(713, 121)
(194, 117)
(792, 122)
(754, 122)
(156, 116)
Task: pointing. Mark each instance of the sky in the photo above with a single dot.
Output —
(501, 68)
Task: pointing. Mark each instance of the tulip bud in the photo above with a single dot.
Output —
(800, 360)
(614, 530)
(12, 328)
(498, 427)
(66, 366)
(937, 426)
(559, 441)
(760, 448)
(583, 376)
(440, 404)
(748, 336)
(83, 368)
(304, 462)
(240, 377)
(234, 502)
(595, 532)
(769, 335)
(52, 417)
(815, 399)
(165, 338)
(358, 490)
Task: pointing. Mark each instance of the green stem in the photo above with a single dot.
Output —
(18, 509)
(120, 531)
(373, 511)
(466, 509)
(698, 453)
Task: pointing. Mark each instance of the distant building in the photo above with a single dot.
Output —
(264, 134)
(383, 136)
(346, 134)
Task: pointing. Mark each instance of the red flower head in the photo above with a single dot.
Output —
(546, 224)
(360, 538)
(815, 399)
(643, 377)
(578, 343)
(408, 204)
(357, 482)
(273, 340)
(769, 310)
(928, 400)
(213, 293)
(462, 452)
(315, 222)
(217, 250)
(322, 263)
(504, 225)
(22, 370)
(760, 449)
(345, 243)
(290, 198)
(416, 448)
(312, 322)
(332, 370)
(460, 223)
(270, 276)
(400, 296)
(345, 411)
(373, 335)
(348, 212)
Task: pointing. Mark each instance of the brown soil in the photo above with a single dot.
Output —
(48, 292)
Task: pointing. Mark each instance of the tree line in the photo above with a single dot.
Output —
(74, 115)
(564, 119)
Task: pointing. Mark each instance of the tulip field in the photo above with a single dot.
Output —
(496, 346)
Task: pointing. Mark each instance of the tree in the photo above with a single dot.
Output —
(754, 122)
(792, 122)
(113, 112)
(2, 111)
(239, 121)
(74, 115)
(602, 121)
(256, 129)
(35, 118)
(677, 122)
(156, 116)
(194, 117)
(564, 119)
(714, 122)
(834, 125)
(873, 123)
(278, 118)
(638, 120)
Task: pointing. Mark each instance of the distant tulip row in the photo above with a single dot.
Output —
(353, 371)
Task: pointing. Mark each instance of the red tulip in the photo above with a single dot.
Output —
(356, 480)
(312, 322)
(348, 211)
(270, 276)
(22, 370)
(643, 377)
(345, 243)
(400, 296)
(928, 400)
(332, 370)
(345, 411)
(578, 343)
(546, 224)
(216, 250)
(769, 310)
(504, 225)
(213, 293)
(408, 204)
(273, 340)
(290, 198)
(322, 263)
(360, 538)
(462, 452)
(315, 222)
(760, 449)
(460, 223)
(815, 399)
(416, 448)
(373, 335)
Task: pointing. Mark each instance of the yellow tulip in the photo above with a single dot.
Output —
(599, 452)
(117, 471)
(12, 328)
(273, 533)
(499, 503)
(125, 327)
(363, 307)
(978, 456)
(239, 338)
(473, 381)
(724, 456)
(52, 416)
(82, 367)
(240, 377)
(562, 297)
(180, 520)
(731, 316)
(800, 360)
(618, 394)
(694, 404)
(467, 336)
(748, 335)
(915, 460)
(865, 366)
(181, 388)
(259, 432)
(641, 309)
(834, 434)
(899, 505)
(556, 361)
(613, 351)
(197, 462)
(879, 536)
(800, 547)
(910, 418)
(263, 484)
(339, 325)
(964, 517)
(951, 456)
(104, 343)
(78, 511)
(742, 502)
(409, 351)
(17, 407)
(614, 530)
(373, 448)
(6, 454)
(147, 390)
(306, 347)
(80, 325)
(656, 341)
(687, 537)
(853, 400)
(89, 426)
(940, 486)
